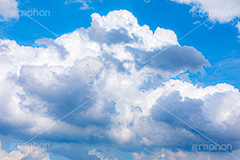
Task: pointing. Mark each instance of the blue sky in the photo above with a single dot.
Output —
(119, 80)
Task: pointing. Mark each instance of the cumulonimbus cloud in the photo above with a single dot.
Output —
(119, 74)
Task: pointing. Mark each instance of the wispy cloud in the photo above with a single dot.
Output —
(8, 10)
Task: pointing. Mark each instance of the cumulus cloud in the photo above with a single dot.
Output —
(8, 9)
(24, 153)
(118, 75)
(99, 155)
(212, 110)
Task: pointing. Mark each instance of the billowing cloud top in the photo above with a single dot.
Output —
(108, 82)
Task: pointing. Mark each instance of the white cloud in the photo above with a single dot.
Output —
(147, 1)
(100, 155)
(238, 27)
(165, 154)
(217, 107)
(45, 83)
(85, 3)
(24, 153)
(216, 10)
(222, 11)
(8, 9)
(127, 22)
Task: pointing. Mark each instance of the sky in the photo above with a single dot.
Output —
(119, 80)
